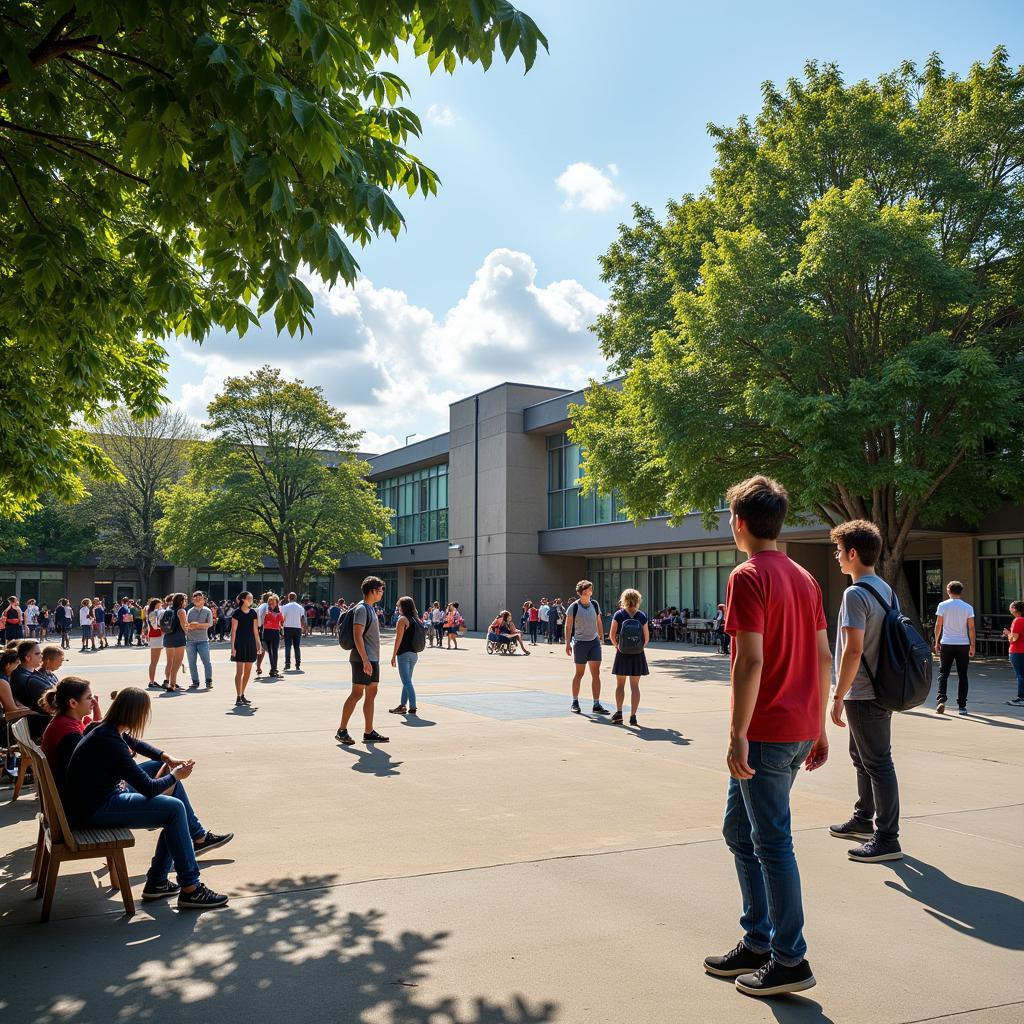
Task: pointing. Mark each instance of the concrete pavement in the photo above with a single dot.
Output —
(504, 861)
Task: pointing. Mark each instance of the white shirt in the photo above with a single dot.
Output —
(436, 615)
(293, 612)
(955, 614)
(261, 612)
(31, 614)
(544, 612)
(85, 616)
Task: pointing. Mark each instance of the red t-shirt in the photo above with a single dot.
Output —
(534, 614)
(770, 594)
(273, 620)
(1017, 626)
(60, 726)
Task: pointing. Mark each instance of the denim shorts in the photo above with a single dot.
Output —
(586, 650)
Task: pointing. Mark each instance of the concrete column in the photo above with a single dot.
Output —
(959, 563)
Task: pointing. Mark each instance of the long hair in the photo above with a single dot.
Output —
(407, 606)
(130, 712)
(57, 700)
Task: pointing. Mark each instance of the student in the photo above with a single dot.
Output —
(198, 620)
(452, 621)
(876, 814)
(52, 659)
(14, 620)
(85, 620)
(138, 619)
(28, 683)
(175, 637)
(273, 623)
(294, 620)
(723, 637)
(43, 623)
(334, 617)
(954, 642)
(62, 620)
(404, 656)
(631, 664)
(552, 621)
(15, 709)
(1015, 635)
(503, 627)
(533, 618)
(31, 614)
(99, 623)
(245, 645)
(365, 662)
(584, 632)
(156, 640)
(124, 624)
(105, 787)
(73, 707)
(437, 621)
(542, 614)
(261, 610)
(781, 672)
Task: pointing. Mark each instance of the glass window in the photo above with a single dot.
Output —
(420, 503)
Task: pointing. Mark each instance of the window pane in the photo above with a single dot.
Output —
(572, 508)
(1011, 547)
(555, 521)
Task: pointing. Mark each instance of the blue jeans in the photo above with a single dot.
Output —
(172, 814)
(202, 649)
(406, 663)
(1017, 664)
(758, 831)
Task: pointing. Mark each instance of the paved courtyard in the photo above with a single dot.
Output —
(504, 862)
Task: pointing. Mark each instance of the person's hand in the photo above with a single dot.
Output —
(938, 649)
(182, 771)
(394, 661)
(173, 762)
(259, 652)
(736, 758)
(818, 754)
(568, 649)
(970, 652)
(367, 668)
(232, 652)
(837, 712)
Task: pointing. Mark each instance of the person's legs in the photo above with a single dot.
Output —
(195, 829)
(620, 693)
(368, 702)
(595, 679)
(1017, 664)
(577, 678)
(239, 689)
(962, 656)
(298, 649)
(203, 650)
(246, 668)
(634, 695)
(175, 656)
(406, 664)
(154, 659)
(193, 666)
(871, 728)
(272, 638)
(864, 808)
(757, 928)
(945, 664)
(350, 704)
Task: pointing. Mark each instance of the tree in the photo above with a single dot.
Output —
(57, 533)
(841, 309)
(279, 478)
(167, 167)
(149, 455)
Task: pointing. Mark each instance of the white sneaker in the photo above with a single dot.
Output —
(940, 708)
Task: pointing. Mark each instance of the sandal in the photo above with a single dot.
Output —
(400, 710)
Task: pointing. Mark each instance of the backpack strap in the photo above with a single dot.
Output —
(860, 584)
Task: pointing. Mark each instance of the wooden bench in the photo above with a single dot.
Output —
(24, 761)
(58, 842)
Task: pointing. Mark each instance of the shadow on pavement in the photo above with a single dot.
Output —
(292, 953)
(416, 722)
(372, 761)
(986, 914)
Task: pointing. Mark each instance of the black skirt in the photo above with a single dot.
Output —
(245, 648)
(630, 664)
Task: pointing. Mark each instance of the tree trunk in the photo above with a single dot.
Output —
(890, 568)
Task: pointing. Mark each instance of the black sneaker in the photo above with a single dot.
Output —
(161, 891)
(616, 719)
(375, 737)
(873, 851)
(194, 686)
(632, 720)
(739, 960)
(854, 827)
(212, 841)
(209, 684)
(598, 710)
(343, 737)
(774, 979)
(154, 686)
(201, 898)
(575, 708)
(239, 703)
(245, 700)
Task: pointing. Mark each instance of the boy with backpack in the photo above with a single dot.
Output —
(359, 632)
(860, 634)
(584, 629)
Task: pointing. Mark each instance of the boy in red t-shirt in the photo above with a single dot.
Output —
(781, 673)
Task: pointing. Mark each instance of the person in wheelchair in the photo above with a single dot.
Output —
(502, 635)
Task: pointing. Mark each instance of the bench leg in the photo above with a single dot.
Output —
(44, 866)
(37, 859)
(51, 885)
(20, 781)
(112, 872)
(126, 885)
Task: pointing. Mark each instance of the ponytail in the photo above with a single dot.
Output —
(57, 700)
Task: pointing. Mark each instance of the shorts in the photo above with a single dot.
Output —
(87, 632)
(584, 651)
(452, 630)
(173, 642)
(156, 639)
(99, 629)
(360, 678)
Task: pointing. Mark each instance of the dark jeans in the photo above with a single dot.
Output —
(439, 629)
(272, 642)
(723, 642)
(292, 640)
(534, 626)
(758, 831)
(1017, 664)
(124, 633)
(878, 791)
(948, 654)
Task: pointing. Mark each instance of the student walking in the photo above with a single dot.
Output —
(156, 641)
(1015, 635)
(781, 671)
(954, 643)
(723, 637)
(876, 814)
(404, 654)
(452, 622)
(437, 621)
(365, 663)
(533, 621)
(14, 620)
(261, 610)
(630, 634)
(85, 622)
(273, 623)
(245, 645)
(31, 615)
(197, 640)
(584, 631)
(99, 623)
(125, 626)
(174, 625)
(62, 620)
(294, 620)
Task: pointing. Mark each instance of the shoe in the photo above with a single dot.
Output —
(160, 892)
(375, 737)
(1017, 702)
(343, 737)
(632, 720)
(412, 711)
(853, 827)
(961, 711)
(154, 686)
(598, 710)
(940, 708)
(209, 684)
(245, 700)
(194, 686)
(575, 708)
(774, 979)
(259, 671)
(616, 719)
(239, 703)
(201, 898)
(873, 851)
(212, 841)
(400, 710)
(737, 961)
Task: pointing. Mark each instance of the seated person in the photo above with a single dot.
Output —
(13, 709)
(73, 707)
(104, 787)
(53, 658)
(28, 684)
(502, 630)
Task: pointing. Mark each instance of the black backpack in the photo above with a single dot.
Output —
(346, 638)
(419, 634)
(631, 636)
(902, 677)
(168, 619)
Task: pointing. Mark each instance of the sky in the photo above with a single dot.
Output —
(497, 278)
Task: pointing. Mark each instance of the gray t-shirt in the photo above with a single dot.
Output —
(366, 616)
(859, 610)
(204, 615)
(584, 625)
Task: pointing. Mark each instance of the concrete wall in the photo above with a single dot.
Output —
(958, 563)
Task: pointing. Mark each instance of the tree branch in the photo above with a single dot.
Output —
(35, 133)
(130, 59)
(21, 193)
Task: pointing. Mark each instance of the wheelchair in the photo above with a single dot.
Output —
(500, 644)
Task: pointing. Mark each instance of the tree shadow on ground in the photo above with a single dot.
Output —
(293, 952)
(986, 914)
(372, 761)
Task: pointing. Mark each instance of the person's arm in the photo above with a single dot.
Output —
(256, 634)
(1010, 635)
(183, 620)
(613, 631)
(13, 709)
(818, 754)
(131, 773)
(234, 630)
(647, 635)
(853, 650)
(569, 620)
(399, 633)
(358, 628)
(938, 632)
(971, 634)
(746, 684)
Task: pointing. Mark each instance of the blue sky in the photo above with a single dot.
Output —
(497, 277)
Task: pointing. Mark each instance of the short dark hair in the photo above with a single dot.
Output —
(1017, 607)
(372, 583)
(762, 503)
(584, 585)
(861, 536)
(955, 587)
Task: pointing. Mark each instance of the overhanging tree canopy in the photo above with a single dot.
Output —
(840, 309)
(166, 166)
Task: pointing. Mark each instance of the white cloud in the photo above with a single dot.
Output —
(395, 367)
(441, 114)
(589, 187)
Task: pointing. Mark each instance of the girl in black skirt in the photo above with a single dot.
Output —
(633, 665)
(245, 644)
